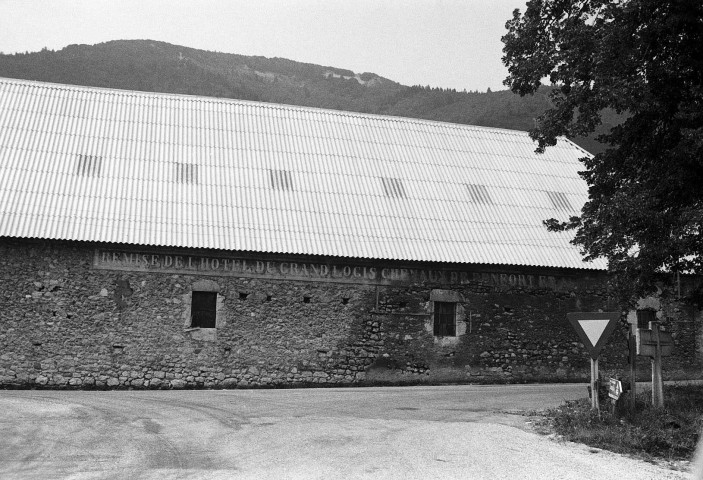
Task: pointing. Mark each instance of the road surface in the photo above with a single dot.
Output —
(449, 432)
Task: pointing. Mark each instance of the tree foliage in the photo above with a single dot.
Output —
(644, 60)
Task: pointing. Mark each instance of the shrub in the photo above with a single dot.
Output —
(670, 433)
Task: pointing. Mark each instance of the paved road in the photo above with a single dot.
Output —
(467, 432)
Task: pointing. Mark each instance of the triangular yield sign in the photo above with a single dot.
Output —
(593, 328)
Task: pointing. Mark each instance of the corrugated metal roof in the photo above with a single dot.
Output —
(93, 164)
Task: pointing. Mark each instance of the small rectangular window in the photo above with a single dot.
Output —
(281, 179)
(203, 309)
(393, 187)
(445, 319)
(560, 202)
(186, 173)
(89, 165)
(644, 317)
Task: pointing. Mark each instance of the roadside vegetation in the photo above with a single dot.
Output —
(669, 434)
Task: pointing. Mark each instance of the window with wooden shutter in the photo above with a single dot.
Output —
(445, 319)
(203, 309)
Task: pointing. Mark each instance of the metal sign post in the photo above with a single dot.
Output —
(595, 402)
(594, 328)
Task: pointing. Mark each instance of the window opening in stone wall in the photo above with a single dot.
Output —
(306, 299)
(89, 165)
(644, 317)
(281, 179)
(478, 193)
(393, 187)
(445, 319)
(203, 309)
(243, 295)
(560, 201)
(345, 300)
(186, 173)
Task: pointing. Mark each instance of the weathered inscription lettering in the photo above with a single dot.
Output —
(209, 265)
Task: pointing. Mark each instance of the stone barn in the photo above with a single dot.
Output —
(169, 241)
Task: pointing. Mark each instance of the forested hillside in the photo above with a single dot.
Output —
(161, 67)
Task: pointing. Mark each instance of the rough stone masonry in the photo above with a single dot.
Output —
(80, 315)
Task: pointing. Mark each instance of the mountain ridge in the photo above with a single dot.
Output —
(154, 66)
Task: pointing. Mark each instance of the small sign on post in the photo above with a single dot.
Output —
(594, 328)
(614, 388)
(614, 392)
(647, 346)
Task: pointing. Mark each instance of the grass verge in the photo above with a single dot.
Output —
(669, 434)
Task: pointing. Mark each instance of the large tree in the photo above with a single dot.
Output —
(644, 60)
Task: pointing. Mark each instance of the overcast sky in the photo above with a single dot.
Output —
(443, 43)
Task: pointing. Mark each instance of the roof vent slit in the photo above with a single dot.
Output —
(560, 201)
(89, 165)
(186, 172)
(281, 179)
(393, 187)
(478, 194)
(384, 182)
(399, 186)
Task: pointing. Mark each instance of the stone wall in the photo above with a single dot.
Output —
(65, 323)
(512, 333)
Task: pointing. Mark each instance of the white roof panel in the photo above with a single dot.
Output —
(337, 163)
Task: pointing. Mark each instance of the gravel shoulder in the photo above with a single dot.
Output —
(388, 433)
